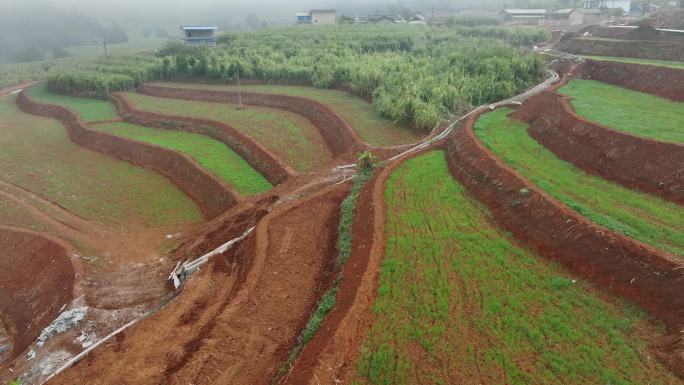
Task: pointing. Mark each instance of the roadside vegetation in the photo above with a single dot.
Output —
(371, 127)
(89, 109)
(647, 218)
(637, 113)
(460, 302)
(38, 155)
(364, 168)
(658, 63)
(292, 137)
(214, 156)
(417, 76)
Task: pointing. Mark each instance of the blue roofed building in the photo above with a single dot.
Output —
(199, 35)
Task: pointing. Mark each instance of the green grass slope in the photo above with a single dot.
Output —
(291, 137)
(658, 63)
(90, 109)
(637, 113)
(36, 154)
(459, 302)
(216, 157)
(635, 214)
(371, 127)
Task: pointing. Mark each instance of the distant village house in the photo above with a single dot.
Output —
(317, 17)
(195, 35)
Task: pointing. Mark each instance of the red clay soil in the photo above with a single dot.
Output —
(620, 265)
(236, 321)
(36, 282)
(637, 163)
(643, 49)
(640, 33)
(662, 81)
(336, 132)
(332, 354)
(274, 169)
(211, 195)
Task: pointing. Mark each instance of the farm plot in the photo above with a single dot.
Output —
(637, 113)
(291, 137)
(371, 127)
(90, 109)
(38, 156)
(460, 302)
(659, 63)
(637, 215)
(214, 156)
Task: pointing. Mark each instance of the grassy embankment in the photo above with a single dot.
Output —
(658, 63)
(635, 214)
(37, 154)
(637, 113)
(291, 137)
(366, 121)
(90, 109)
(214, 156)
(459, 302)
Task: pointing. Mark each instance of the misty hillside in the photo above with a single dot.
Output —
(41, 29)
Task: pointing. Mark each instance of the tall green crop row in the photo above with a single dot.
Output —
(416, 76)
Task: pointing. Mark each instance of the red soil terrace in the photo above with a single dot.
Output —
(336, 132)
(36, 283)
(637, 163)
(274, 169)
(662, 81)
(331, 355)
(239, 317)
(211, 195)
(619, 264)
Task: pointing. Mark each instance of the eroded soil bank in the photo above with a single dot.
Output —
(35, 285)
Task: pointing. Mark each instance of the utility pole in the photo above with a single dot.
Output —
(104, 44)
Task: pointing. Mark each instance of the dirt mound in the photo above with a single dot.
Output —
(337, 133)
(642, 49)
(637, 163)
(274, 169)
(36, 283)
(237, 320)
(211, 195)
(618, 264)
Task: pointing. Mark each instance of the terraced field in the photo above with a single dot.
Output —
(637, 215)
(291, 137)
(373, 128)
(637, 113)
(658, 63)
(212, 155)
(38, 156)
(460, 302)
(90, 109)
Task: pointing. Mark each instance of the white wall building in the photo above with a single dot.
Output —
(323, 17)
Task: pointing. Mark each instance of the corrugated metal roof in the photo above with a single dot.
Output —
(521, 11)
(198, 27)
